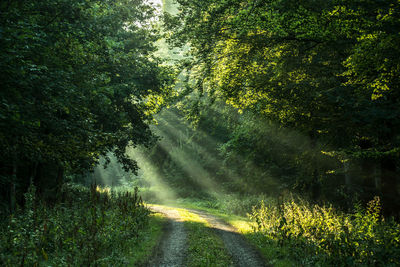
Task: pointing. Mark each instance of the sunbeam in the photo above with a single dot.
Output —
(163, 192)
(190, 165)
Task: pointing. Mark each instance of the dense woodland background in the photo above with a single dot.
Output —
(78, 80)
(211, 99)
(280, 96)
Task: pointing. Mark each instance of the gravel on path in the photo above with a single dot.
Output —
(243, 254)
(171, 251)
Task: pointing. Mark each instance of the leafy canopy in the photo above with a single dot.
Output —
(78, 79)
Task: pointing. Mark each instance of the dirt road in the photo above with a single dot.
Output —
(172, 250)
(243, 254)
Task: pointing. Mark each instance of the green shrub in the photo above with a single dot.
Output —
(318, 235)
(90, 226)
(240, 205)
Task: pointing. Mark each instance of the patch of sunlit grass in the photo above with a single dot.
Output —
(212, 207)
(191, 217)
(242, 225)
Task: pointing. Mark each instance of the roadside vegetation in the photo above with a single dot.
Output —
(314, 235)
(89, 226)
(150, 237)
(297, 233)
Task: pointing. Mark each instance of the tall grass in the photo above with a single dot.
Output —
(89, 227)
(321, 236)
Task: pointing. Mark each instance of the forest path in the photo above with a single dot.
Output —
(172, 249)
(243, 254)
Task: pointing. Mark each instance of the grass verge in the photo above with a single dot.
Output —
(150, 237)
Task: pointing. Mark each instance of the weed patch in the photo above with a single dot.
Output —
(88, 227)
(311, 235)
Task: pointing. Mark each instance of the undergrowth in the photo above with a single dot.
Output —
(311, 235)
(150, 237)
(229, 204)
(297, 233)
(88, 227)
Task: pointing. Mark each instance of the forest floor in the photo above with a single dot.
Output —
(191, 234)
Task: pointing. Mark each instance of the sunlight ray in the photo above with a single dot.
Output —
(191, 167)
(151, 174)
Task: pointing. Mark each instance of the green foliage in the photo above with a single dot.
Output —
(150, 237)
(90, 227)
(327, 70)
(239, 205)
(79, 80)
(314, 235)
(312, 65)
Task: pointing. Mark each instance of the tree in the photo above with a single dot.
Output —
(78, 80)
(328, 69)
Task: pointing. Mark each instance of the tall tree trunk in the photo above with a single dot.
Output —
(389, 186)
(38, 178)
(33, 173)
(13, 181)
(315, 183)
(347, 175)
(60, 180)
(377, 177)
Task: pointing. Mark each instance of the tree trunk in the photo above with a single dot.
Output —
(389, 186)
(377, 177)
(347, 175)
(38, 178)
(13, 181)
(60, 180)
(315, 183)
(33, 173)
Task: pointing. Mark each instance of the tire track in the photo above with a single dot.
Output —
(243, 254)
(171, 251)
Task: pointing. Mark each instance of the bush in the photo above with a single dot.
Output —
(320, 235)
(240, 205)
(90, 226)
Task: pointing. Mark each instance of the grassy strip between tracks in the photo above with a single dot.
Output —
(205, 248)
(274, 254)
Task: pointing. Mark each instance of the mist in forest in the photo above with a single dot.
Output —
(209, 149)
(197, 161)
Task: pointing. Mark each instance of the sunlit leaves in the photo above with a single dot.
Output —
(296, 62)
(329, 237)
